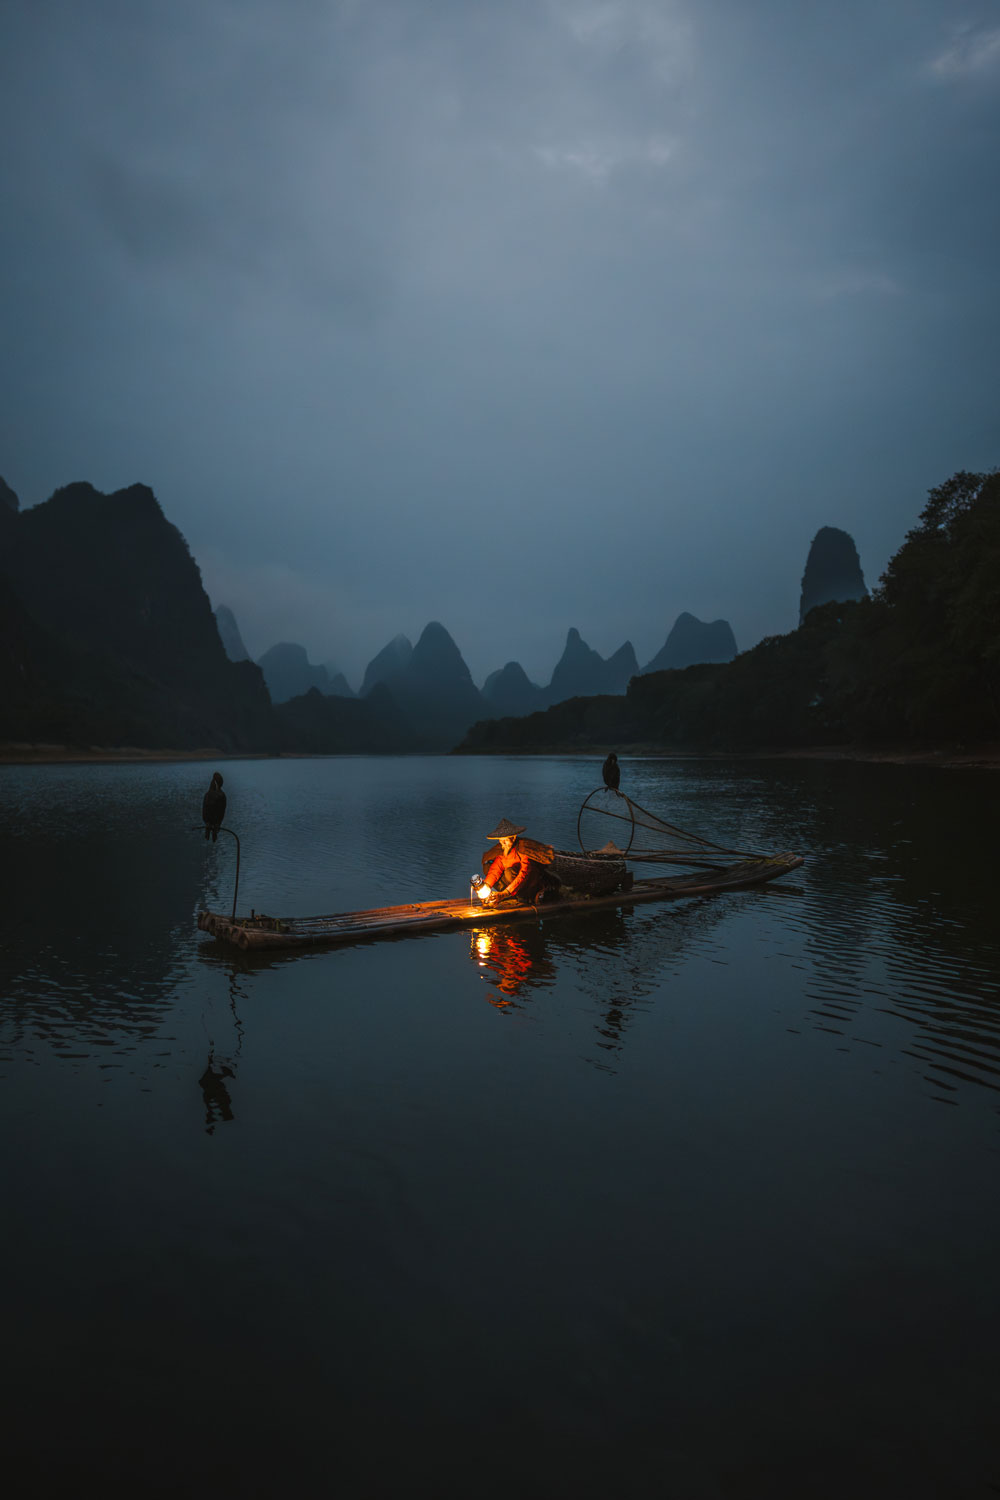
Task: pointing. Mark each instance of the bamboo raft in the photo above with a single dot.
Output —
(262, 933)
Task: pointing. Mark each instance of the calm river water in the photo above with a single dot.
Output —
(694, 1200)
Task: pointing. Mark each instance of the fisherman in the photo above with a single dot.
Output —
(519, 871)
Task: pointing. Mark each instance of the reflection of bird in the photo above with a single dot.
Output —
(218, 1104)
(213, 808)
(611, 771)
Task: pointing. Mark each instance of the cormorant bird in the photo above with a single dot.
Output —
(213, 808)
(611, 771)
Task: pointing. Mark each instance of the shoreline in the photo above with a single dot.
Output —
(978, 757)
(17, 754)
(947, 757)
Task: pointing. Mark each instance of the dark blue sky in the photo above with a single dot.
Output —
(512, 315)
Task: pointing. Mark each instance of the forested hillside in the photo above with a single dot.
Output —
(918, 661)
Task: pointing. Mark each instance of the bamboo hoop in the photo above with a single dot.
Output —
(604, 813)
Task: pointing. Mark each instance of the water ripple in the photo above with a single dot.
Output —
(886, 939)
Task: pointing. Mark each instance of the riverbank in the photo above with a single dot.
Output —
(949, 757)
(15, 754)
(954, 756)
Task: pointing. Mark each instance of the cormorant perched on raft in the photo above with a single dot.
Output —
(213, 808)
(611, 771)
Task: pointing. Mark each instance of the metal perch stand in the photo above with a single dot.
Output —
(200, 828)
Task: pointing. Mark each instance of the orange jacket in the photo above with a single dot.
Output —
(514, 860)
(523, 854)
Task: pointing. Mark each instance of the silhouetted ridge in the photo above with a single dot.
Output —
(621, 668)
(581, 672)
(321, 724)
(915, 663)
(387, 665)
(288, 672)
(33, 666)
(9, 508)
(692, 641)
(435, 690)
(833, 571)
(509, 692)
(338, 685)
(229, 633)
(436, 658)
(135, 654)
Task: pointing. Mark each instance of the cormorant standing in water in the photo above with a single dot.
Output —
(611, 771)
(213, 808)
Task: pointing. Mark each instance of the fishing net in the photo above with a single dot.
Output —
(610, 823)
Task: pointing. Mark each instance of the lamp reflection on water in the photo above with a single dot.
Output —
(509, 957)
(518, 961)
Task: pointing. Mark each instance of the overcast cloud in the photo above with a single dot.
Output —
(512, 315)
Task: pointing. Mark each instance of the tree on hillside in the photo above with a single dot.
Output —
(926, 649)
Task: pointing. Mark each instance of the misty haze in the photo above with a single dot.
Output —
(499, 702)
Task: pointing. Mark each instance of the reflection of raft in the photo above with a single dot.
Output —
(269, 933)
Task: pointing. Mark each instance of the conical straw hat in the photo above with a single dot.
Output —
(505, 829)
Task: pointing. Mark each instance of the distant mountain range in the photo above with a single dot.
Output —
(288, 673)
(432, 689)
(691, 642)
(435, 665)
(107, 637)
